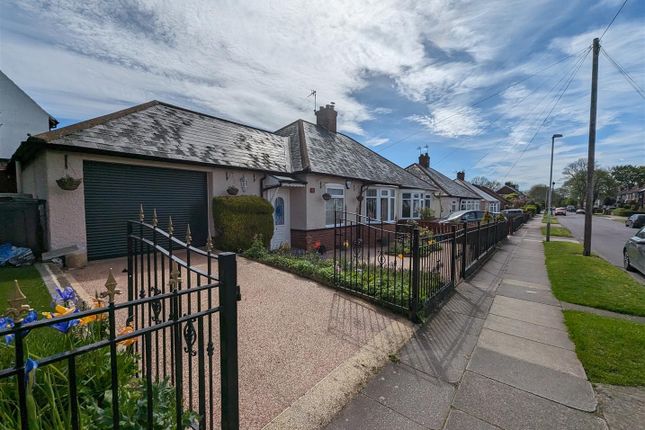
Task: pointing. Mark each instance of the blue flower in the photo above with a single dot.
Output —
(67, 294)
(31, 316)
(6, 322)
(30, 370)
(64, 326)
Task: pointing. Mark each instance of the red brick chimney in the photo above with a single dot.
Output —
(461, 176)
(424, 160)
(326, 117)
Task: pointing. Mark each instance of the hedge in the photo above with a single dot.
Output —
(622, 212)
(239, 219)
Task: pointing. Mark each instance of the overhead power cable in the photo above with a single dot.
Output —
(623, 72)
(480, 101)
(613, 19)
(546, 118)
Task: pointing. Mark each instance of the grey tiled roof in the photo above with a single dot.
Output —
(447, 185)
(482, 194)
(339, 155)
(160, 130)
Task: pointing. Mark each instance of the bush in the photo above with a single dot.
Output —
(622, 212)
(530, 209)
(239, 219)
(427, 214)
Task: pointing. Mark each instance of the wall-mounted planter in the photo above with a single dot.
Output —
(326, 196)
(232, 190)
(68, 183)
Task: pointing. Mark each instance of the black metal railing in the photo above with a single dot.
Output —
(145, 362)
(408, 268)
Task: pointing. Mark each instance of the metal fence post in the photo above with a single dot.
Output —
(479, 240)
(227, 265)
(463, 251)
(414, 299)
(453, 256)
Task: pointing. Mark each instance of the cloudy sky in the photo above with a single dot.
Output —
(478, 82)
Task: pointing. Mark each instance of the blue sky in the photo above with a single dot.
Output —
(403, 74)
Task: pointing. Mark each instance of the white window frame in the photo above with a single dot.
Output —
(336, 187)
(387, 193)
(422, 200)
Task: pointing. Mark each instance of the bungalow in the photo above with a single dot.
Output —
(503, 203)
(487, 203)
(514, 196)
(451, 195)
(634, 195)
(95, 174)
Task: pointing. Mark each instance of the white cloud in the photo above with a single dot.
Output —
(376, 141)
(451, 121)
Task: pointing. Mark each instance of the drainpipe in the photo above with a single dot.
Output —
(18, 177)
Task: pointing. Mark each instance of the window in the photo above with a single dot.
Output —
(335, 204)
(469, 205)
(412, 203)
(380, 203)
(278, 213)
(453, 207)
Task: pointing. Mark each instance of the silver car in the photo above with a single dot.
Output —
(634, 252)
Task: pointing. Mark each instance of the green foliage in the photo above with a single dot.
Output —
(239, 219)
(591, 281)
(30, 283)
(612, 351)
(427, 214)
(622, 212)
(531, 209)
(628, 176)
(557, 231)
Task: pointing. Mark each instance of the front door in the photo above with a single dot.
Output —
(282, 226)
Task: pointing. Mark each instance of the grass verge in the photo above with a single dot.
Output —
(591, 281)
(557, 231)
(612, 351)
(31, 285)
(554, 220)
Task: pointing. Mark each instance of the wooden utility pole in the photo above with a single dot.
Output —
(592, 147)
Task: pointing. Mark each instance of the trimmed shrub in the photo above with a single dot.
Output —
(239, 220)
(531, 209)
(622, 212)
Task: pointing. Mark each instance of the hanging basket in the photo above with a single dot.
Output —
(326, 196)
(232, 190)
(68, 183)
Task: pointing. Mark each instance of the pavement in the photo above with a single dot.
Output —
(497, 355)
(608, 236)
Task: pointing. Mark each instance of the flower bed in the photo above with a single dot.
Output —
(48, 385)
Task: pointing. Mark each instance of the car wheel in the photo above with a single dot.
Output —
(626, 262)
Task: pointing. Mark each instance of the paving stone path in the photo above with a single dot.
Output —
(496, 356)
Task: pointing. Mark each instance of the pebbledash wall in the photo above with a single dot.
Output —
(66, 209)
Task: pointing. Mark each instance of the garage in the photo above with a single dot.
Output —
(114, 193)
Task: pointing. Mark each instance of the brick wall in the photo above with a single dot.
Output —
(305, 239)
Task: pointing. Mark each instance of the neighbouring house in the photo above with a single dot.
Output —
(503, 203)
(634, 195)
(514, 196)
(488, 202)
(451, 196)
(20, 116)
(175, 160)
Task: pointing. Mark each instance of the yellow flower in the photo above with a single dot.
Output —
(128, 329)
(91, 318)
(401, 256)
(346, 244)
(60, 311)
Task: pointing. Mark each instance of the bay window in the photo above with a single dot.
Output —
(335, 204)
(380, 204)
(412, 203)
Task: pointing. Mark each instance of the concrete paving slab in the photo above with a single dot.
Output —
(528, 273)
(622, 407)
(529, 294)
(551, 384)
(424, 399)
(520, 283)
(536, 313)
(458, 420)
(538, 333)
(470, 300)
(442, 348)
(552, 357)
(363, 413)
(514, 409)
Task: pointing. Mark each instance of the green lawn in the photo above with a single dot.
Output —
(557, 231)
(591, 281)
(612, 351)
(30, 283)
(554, 220)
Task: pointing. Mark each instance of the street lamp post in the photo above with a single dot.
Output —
(548, 216)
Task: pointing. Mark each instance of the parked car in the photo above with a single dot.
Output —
(560, 211)
(635, 221)
(512, 213)
(464, 216)
(571, 208)
(634, 252)
(580, 211)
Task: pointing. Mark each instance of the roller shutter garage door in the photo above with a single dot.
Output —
(114, 192)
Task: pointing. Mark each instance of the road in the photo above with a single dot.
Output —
(608, 236)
